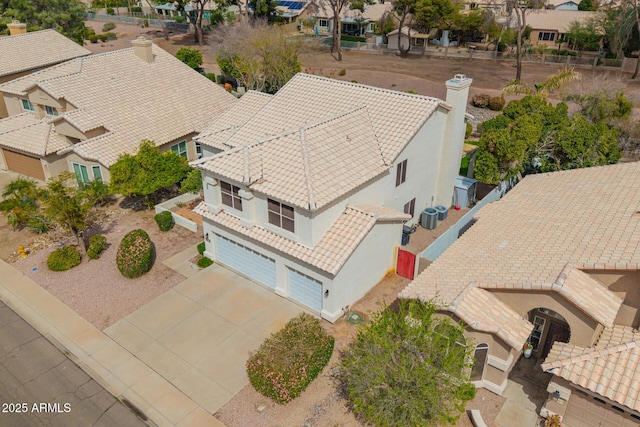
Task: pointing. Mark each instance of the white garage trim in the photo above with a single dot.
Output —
(245, 261)
(304, 289)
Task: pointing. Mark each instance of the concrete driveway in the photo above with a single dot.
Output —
(199, 334)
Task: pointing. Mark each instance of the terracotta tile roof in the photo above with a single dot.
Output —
(307, 167)
(132, 99)
(347, 132)
(32, 136)
(331, 252)
(35, 50)
(610, 369)
(217, 134)
(582, 217)
(484, 312)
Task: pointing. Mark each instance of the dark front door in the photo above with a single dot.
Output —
(557, 332)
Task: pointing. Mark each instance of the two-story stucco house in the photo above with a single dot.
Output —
(310, 187)
(80, 115)
(24, 53)
(555, 262)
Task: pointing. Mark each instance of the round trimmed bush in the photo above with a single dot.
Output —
(164, 220)
(63, 259)
(496, 103)
(135, 254)
(97, 244)
(204, 262)
(287, 362)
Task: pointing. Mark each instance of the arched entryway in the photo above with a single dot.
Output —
(548, 327)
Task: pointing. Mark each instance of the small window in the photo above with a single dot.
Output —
(50, 111)
(401, 172)
(409, 208)
(97, 173)
(27, 105)
(480, 360)
(81, 172)
(230, 195)
(198, 150)
(322, 23)
(281, 215)
(180, 148)
(546, 36)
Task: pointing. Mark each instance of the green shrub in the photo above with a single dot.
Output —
(93, 38)
(210, 76)
(164, 220)
(342, 72)
(496, 103)
(111, 35)
(287, 362)
(201, 248)
(353, 39)
(219, 79)
(145, 23)
(108, 26)
(87, 32)
(63, 258)
(102, 37)
(191, 57)
(481, 100)
(110, 11)
(204, 262)
(469, 129)
(97, 245)
(136, 9)
(411, 92)
(135, 254)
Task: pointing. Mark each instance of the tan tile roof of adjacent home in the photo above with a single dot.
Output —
(217, 133)
(317, 138)
(610, 369)
(556, 20)
(36, 49)
(540, 232)
(133, 100)
(336, 245)
(25, 133)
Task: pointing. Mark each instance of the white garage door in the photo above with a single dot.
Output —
(584, 410)
(246, 261)
(304, 289)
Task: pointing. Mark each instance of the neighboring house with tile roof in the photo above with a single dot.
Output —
(548, 26)
(80, 115)
(307, 190)
(557, 262)
(23, 53)
(353, 21)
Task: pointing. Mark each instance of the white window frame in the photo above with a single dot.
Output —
(51, 111)
(326, 23)
(97, 176)
(29, 104)
(481, 346)
(176, 149)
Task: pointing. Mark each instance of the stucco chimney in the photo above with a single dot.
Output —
(457, 97)
(16, 27)
(142, 49)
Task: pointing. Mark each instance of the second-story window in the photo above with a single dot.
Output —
(281, 215)
(27, 105)
(230, 196)
(51, 111)
(401, 172)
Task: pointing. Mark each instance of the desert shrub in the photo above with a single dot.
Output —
(110, 11)
(201, 248)
(164, 220)
(469, 129)
(496, 103)
(210, 76)
(97, 245)
(63, 259)
(481, 100)
(136, 9)
(287, 362)
(135, 253)
(93, 38)
(342, 72)
(204, 262)
(108, 26)
(111, 35)
(145, 23)
(87, 32)
(102, 37)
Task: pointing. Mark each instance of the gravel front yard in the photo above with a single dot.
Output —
(95, 289)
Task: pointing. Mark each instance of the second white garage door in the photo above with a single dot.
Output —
(583, 410)
(246, 261)
(304, 289)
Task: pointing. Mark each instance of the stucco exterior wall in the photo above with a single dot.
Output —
(191, 146)
(583, 327)
(625, 284)
(392, 42)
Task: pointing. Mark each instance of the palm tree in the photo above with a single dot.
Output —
(554, 82)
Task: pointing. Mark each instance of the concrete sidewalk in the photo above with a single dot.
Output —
(112, 366)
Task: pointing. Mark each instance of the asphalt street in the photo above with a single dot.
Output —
(40, 386)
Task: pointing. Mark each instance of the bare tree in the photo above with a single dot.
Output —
(520, 9)
(155, 14)
(403, 9)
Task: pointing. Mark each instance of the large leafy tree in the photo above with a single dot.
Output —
(64, 16)
(146, 172)
(408, 367)
(584, 36)
(260, 56)
(195, 17)
(532, 136)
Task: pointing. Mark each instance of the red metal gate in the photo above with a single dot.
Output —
(406, 264)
